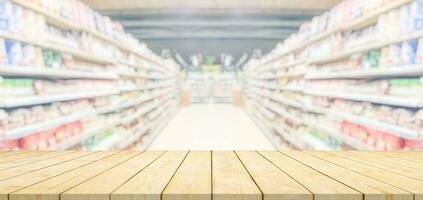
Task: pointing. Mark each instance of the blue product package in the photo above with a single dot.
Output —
(417, 15)
(408, 52)
(14, 51)
(6, 15)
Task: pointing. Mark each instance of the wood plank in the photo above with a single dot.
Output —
(405, 183)
(10, 153)
(30, 160)
(150, 182)
(14, 184)
(273, 183)
(411, 170)
(322, 186)
(371, 188)
(23, 169)
(388, 157)
(192, 181)
(409, 155)
(231, 180)
(65, 181)
(101, 186)
(401, 155)
(16, 156)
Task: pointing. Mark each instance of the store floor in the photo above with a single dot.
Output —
(211, 127)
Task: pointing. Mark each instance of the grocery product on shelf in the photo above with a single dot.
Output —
(70, 78)
(352, 75)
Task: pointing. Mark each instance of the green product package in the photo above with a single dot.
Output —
(374, 58)
(48, 58)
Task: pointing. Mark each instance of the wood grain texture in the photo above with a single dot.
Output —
(30, 159)
(393, 159)
(243, 175)
(408, 155)
(403, 182)
(19, 170)
(411, 170)
(231, 180)
(323, 187)
(19, 182)
(101, 186)
(193, 180)
(273, 183)
(5, 154)
(150, 182)
(65, 181)
(15, 155)
(371, 188)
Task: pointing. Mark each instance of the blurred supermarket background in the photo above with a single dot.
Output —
(211, 75)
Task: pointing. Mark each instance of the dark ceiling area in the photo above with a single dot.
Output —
(211, 32)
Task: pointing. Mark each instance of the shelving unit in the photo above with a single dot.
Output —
(129, 84)
(336, 99)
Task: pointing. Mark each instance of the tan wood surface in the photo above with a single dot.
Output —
(371, 188)
(230, 178)
(101, 186)
(16, 155)
(400, 166)
(403, 182)
(322, 186)
(150, 182)
(273, 183)
(65, 181)
(192, 180)
(134, 175)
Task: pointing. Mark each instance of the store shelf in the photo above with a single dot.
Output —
(269, 135)
(287, 101)
(107, 144)
(134, 137)
(158, 128)
(133, 75)
(88, 56)
(132, 88)
(139, 113)
(315, 144)
(362, 48)
(41, 126)
(378, 99)
(282, 112)
(84, 136)
(372, 16)
(380, 72)
(392, 129)
(42, 72)
(358, 23)
(282, 66)
(294, 140)
(45, 99)
(51, 17)
(64, 23)
(292, 88)
(133, 103)
(338, 135)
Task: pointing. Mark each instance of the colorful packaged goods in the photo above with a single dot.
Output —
(49, 138)
(377, 139)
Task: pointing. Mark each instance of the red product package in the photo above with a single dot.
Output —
(29, 142)
(393, 142)
(9, 144)
(413, 144)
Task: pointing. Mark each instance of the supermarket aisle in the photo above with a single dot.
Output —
(211, 127)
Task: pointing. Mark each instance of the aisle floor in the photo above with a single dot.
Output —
(211, 127)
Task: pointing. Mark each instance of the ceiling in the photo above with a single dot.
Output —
(210, 27)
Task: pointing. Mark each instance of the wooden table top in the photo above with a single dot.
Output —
(134, 175)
